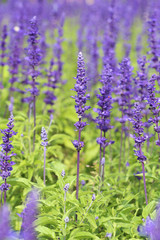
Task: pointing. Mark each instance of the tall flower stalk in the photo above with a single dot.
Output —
(139, 139)
(80, 100)
(103, 119)
(34, 58)
(3, 52)
(5, 155)
(125, 91)
(154, 106)
(44, 143)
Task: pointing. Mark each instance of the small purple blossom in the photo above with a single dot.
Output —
(109, 235)
(93, 197)
(44, 138)
(66, 187)
(63, 173)
(66, 219)
(83, 182)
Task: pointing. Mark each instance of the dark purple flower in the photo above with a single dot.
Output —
(6, 154)
(136, 175)
(78, 145)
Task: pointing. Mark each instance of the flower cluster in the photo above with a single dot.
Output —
(141, 80)
(28, 216)
(153, 43)
(80, 99)
(3, 45)
(51, 84)
(125, 87)
(6, 154)
(33, 58)
(138, 128)
(154, 106)
(44, 138)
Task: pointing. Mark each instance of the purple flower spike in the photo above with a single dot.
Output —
(29, 215)
(44, 138)
(103, 110)
(80, 100)
(6, 154)
(4, 223)
(34, 58)
(139, 139)
(3, 54)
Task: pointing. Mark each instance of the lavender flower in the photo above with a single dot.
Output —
(109, 235)
(58, 49)
(153, 43)
(34, 58)
(63, 173)
(29, 216)
(66, 219)
(14, 60)
(3, 52)
(6, 154)
(66, 187)
(80, 99)
(5, 229)
(44, 138)
(125, 91)
(93, 197)
(139, 139)
(44, 143)
(52, 84)
(83, 182)
(152, 227)
(153, 102)
(105, 106)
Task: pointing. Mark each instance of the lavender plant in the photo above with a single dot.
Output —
(6, 155)
(139, 140)
(125, 91)
(80, 100)
(28, 216)
(103, 119)
(34, 58)
(3, 52)
(153, 102)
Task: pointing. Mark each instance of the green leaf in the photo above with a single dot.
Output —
(19, 181)
(44, 231)
(148, 209)
(91, 220)
(82, 235)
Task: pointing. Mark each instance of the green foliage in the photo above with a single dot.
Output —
(120, 203)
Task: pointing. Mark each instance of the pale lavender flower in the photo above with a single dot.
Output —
(29, 215)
